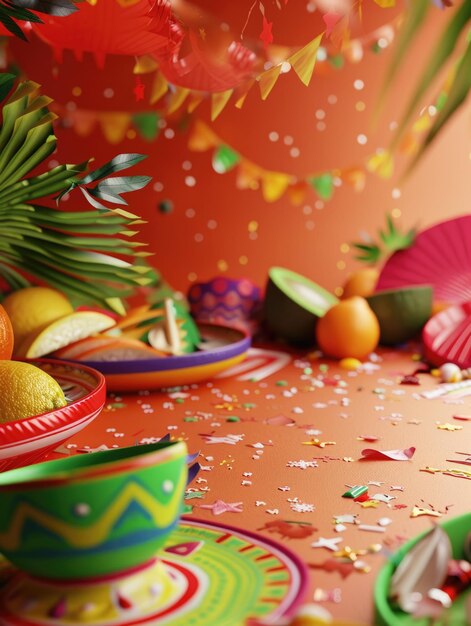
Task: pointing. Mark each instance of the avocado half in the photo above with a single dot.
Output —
(293, 304)
(401, 312)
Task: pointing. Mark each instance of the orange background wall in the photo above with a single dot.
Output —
(208, 231)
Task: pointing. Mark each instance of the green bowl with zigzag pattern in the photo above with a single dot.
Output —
(92, 515)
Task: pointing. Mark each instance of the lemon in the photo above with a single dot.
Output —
(63, 332)
(26, 391)
(32, 308)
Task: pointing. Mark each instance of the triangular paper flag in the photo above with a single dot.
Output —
(219, 101)
(83, 122)
(145, 65)
(114, 125)
(159, 88)
(297, 192)
(224, 159)
(195, 100)
(147, 123)
(248, 175)
(202, 138)
(274, 185)
(267, 80)
(177, 98)
(304, 60)
(242, 93)
(323, 184)
(382, 164)
(355, 177)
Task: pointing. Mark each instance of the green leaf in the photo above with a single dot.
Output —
(458, 92)
(6, 83)
(51, 7)
(118, 163)
(440, 56)
(416, 15)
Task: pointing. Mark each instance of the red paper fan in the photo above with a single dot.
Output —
(440, 256)
(447, 336)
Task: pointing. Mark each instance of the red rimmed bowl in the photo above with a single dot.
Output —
(27, 441)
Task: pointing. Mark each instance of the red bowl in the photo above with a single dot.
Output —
(30, 440)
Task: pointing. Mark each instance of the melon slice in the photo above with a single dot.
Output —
(293, 304)
(105, 348)
(402, 312)
(63, 332)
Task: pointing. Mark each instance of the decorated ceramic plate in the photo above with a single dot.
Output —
(27, 441)
(207, 575)
(387, 615)
(224, 347)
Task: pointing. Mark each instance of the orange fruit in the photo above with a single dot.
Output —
(6, 335)
(348, 329)
(361, 283)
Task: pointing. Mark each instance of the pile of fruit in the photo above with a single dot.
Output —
(45, 323)
(25, 390)
(302, 313)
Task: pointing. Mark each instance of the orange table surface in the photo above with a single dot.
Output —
(255, 442)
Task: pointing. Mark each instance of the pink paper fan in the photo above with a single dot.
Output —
(447, 336)
(440, 256)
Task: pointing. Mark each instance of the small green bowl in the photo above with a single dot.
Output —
(401, 313)
(457, 529)
(92, 515)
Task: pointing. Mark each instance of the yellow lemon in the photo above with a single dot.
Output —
(32, 308)
(26, 390)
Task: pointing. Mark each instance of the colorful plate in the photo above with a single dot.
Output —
(30, 440)
(447, 336)
(386, 615)
(208, 575)
(232, 345)
(440, 256)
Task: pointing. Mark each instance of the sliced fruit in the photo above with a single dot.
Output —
(6, 335)
(33, 308)
(105, 348)
(401, 312)
(293, 304)
(63, 332)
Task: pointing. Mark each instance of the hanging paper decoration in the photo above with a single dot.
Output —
(224, 159)
(273, 185)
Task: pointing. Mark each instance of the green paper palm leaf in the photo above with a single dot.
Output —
(74, 251)
(454, 32)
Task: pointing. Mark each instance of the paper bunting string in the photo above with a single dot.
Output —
(275, 185)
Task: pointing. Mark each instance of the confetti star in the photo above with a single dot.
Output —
(329, 544)
(450, 427)
(383, 497)
(346, 519)
(396, 488)
(266, 35)
(417, 511)
(194, 495)
(220, 507)
(260, 503)
(375, 483)
(370, 504)
(347, 553)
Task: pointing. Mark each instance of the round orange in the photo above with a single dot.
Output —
(361, 283)
(6, 335)
(348, 329)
